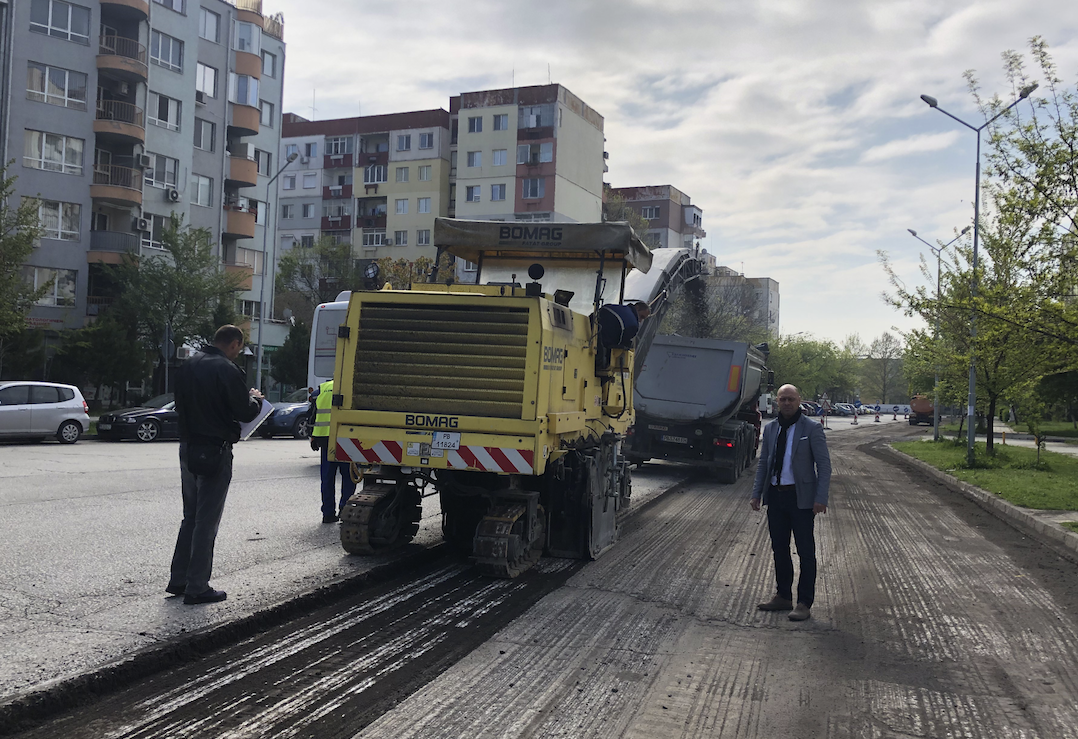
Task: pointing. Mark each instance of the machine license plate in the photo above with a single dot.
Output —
(446, 440)
(675, 439)
(104, 426)
(656, 427)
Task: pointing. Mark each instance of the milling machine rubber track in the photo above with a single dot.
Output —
(380, 517)
(492, 538)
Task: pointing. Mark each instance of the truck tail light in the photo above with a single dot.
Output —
(85, 408)
(725, 443)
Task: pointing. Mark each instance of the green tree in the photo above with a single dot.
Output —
(290, 361)
(883, 370)
(105, 352)
(401, 273)
(616, 208)
(309, 276)
(807, 363)
(20, 231)
(182, 290)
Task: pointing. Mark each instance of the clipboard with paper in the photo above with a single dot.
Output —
(246, 429)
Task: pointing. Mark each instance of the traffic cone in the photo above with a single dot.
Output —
(877, 416)
(895, 417)
(855, 419)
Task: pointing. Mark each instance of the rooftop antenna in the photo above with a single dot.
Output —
(513, 83)
(313, 109)
(548, 73)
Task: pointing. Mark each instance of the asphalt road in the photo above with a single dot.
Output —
(933, 619)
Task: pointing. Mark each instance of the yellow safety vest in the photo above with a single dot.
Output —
(322, 405)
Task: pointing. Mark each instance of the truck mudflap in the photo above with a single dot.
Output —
(506, 460)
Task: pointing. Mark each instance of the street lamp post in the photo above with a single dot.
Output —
(270, 213)
(972, 401)
(938, 251)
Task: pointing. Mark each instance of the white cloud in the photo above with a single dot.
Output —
(918, 144)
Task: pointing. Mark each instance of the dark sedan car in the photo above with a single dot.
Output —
(289, 418)
(154, 419)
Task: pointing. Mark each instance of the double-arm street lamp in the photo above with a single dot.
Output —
(938, 251)
(933, 103)
(270, 214)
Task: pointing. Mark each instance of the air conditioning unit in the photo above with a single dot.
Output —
(172, 195)
(200, 97)
(387, 242)
(124, 88)
(143, 160)
(334, 189)
(141, 224)
(304, 160)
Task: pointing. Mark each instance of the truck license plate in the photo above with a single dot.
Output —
(674, 439)
(446, 440)
(104, 426)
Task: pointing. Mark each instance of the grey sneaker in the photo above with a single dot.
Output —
(778, 603)
(801, 613)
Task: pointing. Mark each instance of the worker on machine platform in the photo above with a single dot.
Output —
(619, 324)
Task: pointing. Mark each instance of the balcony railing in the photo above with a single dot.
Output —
(120, 46)
(114, 241)
(96, 305)
(111, 174)
(337, 161)
(371, 221)
(255, 6)
(331, 192)
(274, 26)
(115, 110)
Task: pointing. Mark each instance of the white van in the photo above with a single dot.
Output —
(323, 350)
(40, 409)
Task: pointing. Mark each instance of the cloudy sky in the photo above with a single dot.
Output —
(795, 125)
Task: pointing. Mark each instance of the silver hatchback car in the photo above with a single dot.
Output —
(40, 409)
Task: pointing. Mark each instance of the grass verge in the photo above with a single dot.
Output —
(1072, 525)
(1011, 473)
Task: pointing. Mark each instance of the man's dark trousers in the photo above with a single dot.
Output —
(329, 482)
(203, 504)
(783, 519)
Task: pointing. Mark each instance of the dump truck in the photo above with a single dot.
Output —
(696, 402)
(921, 410)
(497, 397)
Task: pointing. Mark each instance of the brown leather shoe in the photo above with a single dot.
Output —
(801, 613)
(777, 603)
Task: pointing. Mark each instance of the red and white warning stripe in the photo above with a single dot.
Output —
(483, 458)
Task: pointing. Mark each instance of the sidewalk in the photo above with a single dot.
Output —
(1004, 434)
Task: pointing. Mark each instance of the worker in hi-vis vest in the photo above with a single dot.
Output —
(322, 398)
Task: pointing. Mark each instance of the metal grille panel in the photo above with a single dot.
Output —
(449, 360)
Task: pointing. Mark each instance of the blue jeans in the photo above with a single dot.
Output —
(329, 483)
(203, 505)
(783, 519)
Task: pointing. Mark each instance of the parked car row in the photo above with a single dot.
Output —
(38, 410)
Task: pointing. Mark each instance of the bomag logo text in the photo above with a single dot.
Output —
(437, 422)
(553, 354)
(530, 233)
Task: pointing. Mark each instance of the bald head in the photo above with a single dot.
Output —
(789, 400)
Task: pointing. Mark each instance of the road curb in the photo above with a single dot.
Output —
(1046, 530)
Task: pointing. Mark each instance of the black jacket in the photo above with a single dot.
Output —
(212, 398)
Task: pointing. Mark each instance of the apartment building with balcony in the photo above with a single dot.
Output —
(375, 182)
(132, 111)
(674, 221)
(526, 154)
(762, 294)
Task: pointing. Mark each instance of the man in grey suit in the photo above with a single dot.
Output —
(792, 480)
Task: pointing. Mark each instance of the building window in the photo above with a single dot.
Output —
(163, 111)
(289, 182)
(206, 79)
(201, 190)
(426, 141)
(52, 152)
(61, 20)
(263, 159)
(374, 237)
(402, 174)
(310, 181)
(649, 212)
(402, 206)
(501, 122)
(400, 238)
(269, 64)
(243, 89)
(55, 86)
(248, 308)
(533, 187)
(176, 5)
(259, 209)
(308, 210)
(153, 238)
(475, 159)
(471, 193)
(475, 124)
(404, 142)
(204, 133)
(337, 209)
(532, 117)
(209, 25)
(339, 145)
(265, 113)
(288, 211)
(291, 149)
(251, 258)
(162, 171)
(310, 149)
(62, 221)
(61, 291)
(422, 237)
(374, 174)
(248, 37)
(422, 205)
(501, 157)
(497, 192)
(535, 153)
(166, 51)
(424, 173)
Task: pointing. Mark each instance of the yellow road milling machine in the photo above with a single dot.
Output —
(497, 396)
